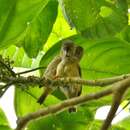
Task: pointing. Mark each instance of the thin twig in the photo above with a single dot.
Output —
(123, 108)
(28, 71)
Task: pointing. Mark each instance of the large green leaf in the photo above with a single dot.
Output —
(38, 30)
(96, 19)
(29, 22)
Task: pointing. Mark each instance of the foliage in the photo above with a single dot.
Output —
(4, 125)
(31, 33)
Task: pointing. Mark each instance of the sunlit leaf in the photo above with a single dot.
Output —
(4, 125)
(96, 19)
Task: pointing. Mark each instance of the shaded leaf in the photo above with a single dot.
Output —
(28, 23)
(5, 128)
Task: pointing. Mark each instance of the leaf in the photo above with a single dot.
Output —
(4, 125)
(124, 123)
(63, 120)
(126, 34)
(60, 30)
(3, 119)
(76, 121)
(38, 29)
(96, 125)
(96, 19)
(23, 106)
(26, 22)
(20, 58)
(5, 128)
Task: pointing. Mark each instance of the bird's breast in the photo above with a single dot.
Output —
(71, 71)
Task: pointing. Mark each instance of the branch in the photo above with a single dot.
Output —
(33, 80)
(111, 114)
(97, 82)
(22, 122)
(118, 94)
(28, 71)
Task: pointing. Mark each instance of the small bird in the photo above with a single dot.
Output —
(50, 72)
(69, 67)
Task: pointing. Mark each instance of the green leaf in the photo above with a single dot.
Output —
(96, 125)
(96, 19)
(126, 34)
(20, 58)
(124, 123)
(14, 17)
(60, 30)
(3, 119)
(5, 128)
(63, 120)
(26, 22)
(38, 29)
(23, 106)
(4, 125)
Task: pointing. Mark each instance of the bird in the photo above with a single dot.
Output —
(69, 67)
(50, 72)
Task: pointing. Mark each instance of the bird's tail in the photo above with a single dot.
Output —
(72, 109)
(42, 98)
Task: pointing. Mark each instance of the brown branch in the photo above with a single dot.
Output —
(118, 94)
(97, 82)
(22, 122)
(33, 80)
(111, 114)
